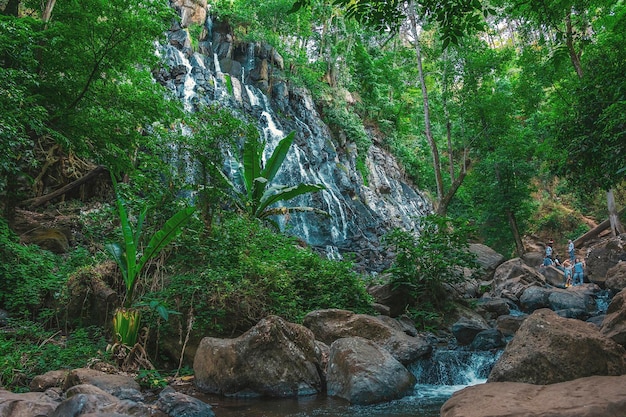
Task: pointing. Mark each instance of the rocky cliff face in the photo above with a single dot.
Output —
(247, 77)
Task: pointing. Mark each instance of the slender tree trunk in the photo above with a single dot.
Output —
(47, 11)
(569, 40)
(427, 128)
(519, 245)
(442, 208)
(446, 114)
(616, 226)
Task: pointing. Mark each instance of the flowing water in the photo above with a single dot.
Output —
(439, 376)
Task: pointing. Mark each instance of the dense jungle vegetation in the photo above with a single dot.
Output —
(511, 115)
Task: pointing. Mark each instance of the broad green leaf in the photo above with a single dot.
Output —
(283, 193)
(278, 156)
(252, 152)
(170, 230)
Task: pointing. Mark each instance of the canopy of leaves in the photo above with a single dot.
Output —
(590, 119)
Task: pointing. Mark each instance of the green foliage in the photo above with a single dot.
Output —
(259, 193)
(340, 119)
(87, 87)
(126, 322)
(151, 379)
(425, 264)
(590, 115)
(30, 350)
(126, 254)
(454, 17)
(245, 271)
(21, 113)
(32, 277)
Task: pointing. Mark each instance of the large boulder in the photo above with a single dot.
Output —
(90, 400)
(487, 258)
(28, 404)
(395, 299)
(466, 328)
(477, 280)
(121, 386)
(616, 277)
(177, 404)
(595, 396)
(275, 358)
(571, 300)
(614, 323)
(548, 349)
(513, 277)
(603, 256)
(332, 324)
(510, 324)
(362, 372)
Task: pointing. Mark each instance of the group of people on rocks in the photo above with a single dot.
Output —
(573, 268)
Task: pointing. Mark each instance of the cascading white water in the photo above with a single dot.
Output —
(359, 214)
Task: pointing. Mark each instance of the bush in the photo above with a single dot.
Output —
(427, 261)
(245, 271)
(31, 276)
(30, 350)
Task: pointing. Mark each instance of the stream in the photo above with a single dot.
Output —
(439, 376)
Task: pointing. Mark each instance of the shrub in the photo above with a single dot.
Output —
(427, 261)
(245, 271)
(31, 276)
(30, 350)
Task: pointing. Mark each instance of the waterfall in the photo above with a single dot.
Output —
(359, 214)
(454, 367)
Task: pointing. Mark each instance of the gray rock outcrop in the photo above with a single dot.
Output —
(548, 349)
(614, 323)
(275, 358)
(362, 372)
(604, 255)
(513, 277)
(332, 324)
(616, 277)
(596, 396)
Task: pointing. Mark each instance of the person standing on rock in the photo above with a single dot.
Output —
(549, 249)
(571, 250)
(567, 271)
(579, 269)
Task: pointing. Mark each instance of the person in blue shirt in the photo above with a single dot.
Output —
(549, 249)
(571, 250)
(579, 270)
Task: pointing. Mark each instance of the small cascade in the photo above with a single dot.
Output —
(603, 299)
(455, 367)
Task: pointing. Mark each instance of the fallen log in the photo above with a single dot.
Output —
(37, 201)
(593, 233)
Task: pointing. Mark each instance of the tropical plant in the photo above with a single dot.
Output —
(127, 318)
(259, 194)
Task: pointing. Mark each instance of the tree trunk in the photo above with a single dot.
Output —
(616, 225)
(47, 11)
(442, 208)
(519, 246)
(427, 128)
(37, 201)
(569, 36)
(595, 231)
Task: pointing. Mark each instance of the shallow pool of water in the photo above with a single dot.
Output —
(439, 376)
